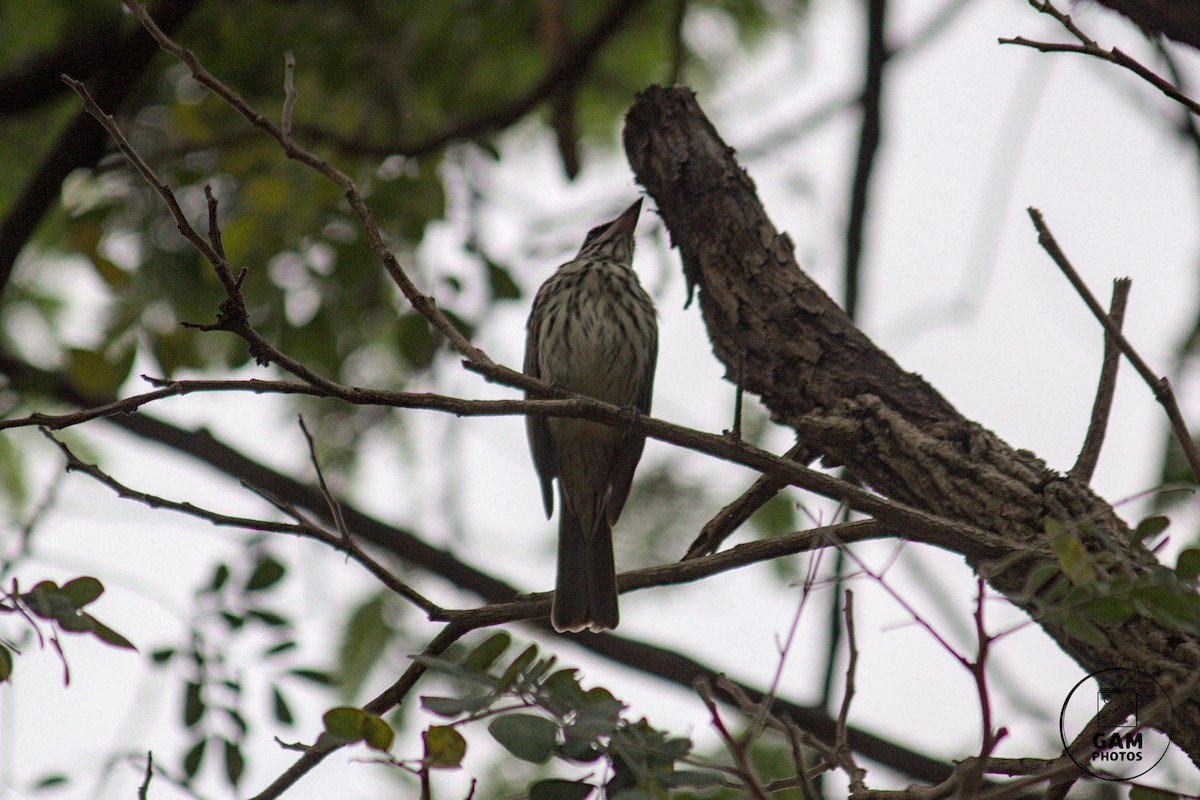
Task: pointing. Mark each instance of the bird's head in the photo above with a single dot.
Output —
(613, 239)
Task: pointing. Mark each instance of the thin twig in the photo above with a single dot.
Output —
(726, 521)
(335, 508)
(870, 134)
(1161, 387)
(1089, 454)
(737, 747)
(301, 527)
(1088, 46)
(845, 754)
(144, 789)
(289, 93)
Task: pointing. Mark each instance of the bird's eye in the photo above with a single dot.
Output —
(594, 234)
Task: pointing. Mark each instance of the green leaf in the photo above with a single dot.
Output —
(235, 763)
(776, 516)
(1187, 568)
(454, 706)
(6, 663)
(561, 692)
(693, 779)
(527, 737)
(51, 781)
(559, 789)
(1072, 556)
(464, 327)
(162, 655)
(283, 712)
(268, 618)
(109, 636)
(44, 601)
(345, 723)
(1108, 610)
(500, 280)
(416, 340)
(1038, 577)
(444, 747)
(1150, 527)
(1146, 793)
(82, 591)
(517, 667)
(319, 677)
(364, 641)
(282, 647)
(95, 375)
(75, 621)
(267, 572)
(487, 651)
(193, 758)
(377, 733)
(1079, 628)
(193, 704)
(219, 578)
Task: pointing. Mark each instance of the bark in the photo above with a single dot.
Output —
(1176, 19)
(848, 400)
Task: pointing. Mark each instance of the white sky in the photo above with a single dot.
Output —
(975, 133)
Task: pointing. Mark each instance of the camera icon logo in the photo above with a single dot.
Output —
(1116, 708)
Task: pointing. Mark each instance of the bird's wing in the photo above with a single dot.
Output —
(538, 428)
(629, 451)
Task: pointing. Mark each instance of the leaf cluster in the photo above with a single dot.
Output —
(62, 608)
(233, 603)
(540, 713)
(1083, 592)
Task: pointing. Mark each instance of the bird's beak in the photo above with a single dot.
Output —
(624, 224)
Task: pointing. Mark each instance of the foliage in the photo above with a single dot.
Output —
(539, 713)
(234, 603)
(378, 83)
(1081, 590)
(62, 608)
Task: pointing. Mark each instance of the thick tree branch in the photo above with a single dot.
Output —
(847, 399)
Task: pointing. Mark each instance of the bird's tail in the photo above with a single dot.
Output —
(585, 596)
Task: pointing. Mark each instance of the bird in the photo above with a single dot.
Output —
(593, 330)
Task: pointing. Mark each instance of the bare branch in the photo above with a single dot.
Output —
(1089, 454)
(289, 94)
(1089, 47)
(736, 513)
(301, 527)
(1161, 387)
(845, 755)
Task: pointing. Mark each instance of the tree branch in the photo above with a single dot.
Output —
(1089, 47)
(870, 133)
(1089, 454)
(849, 400)
(1160, 386)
